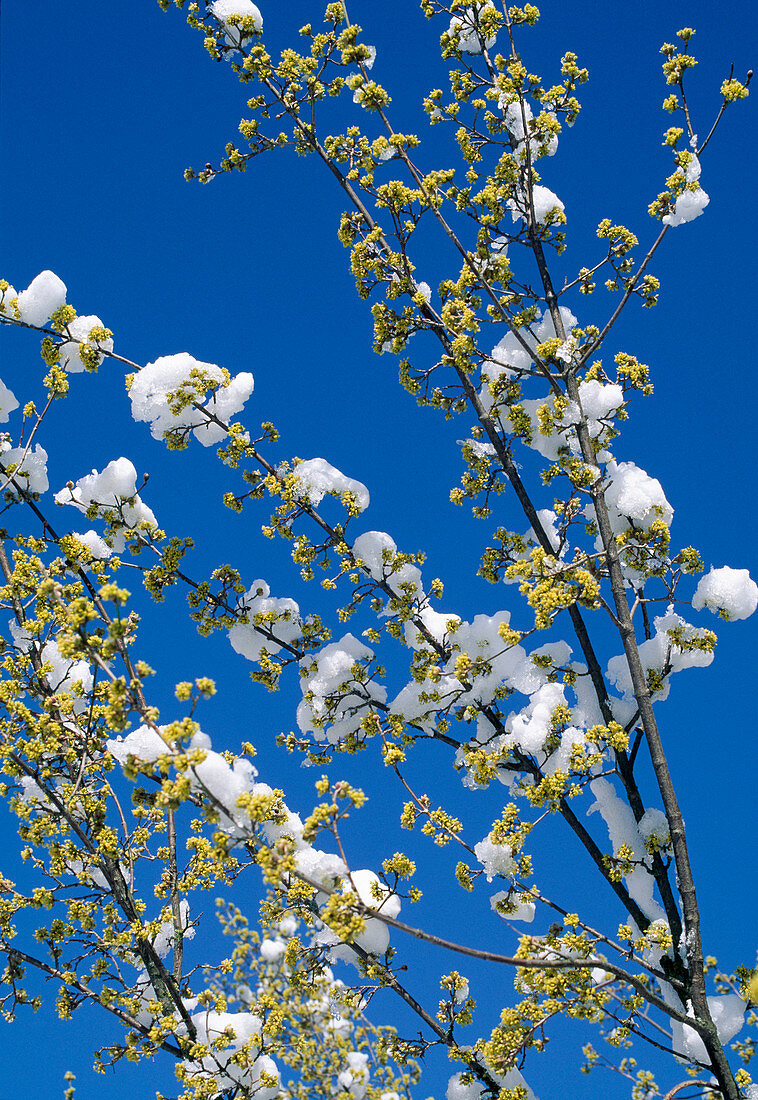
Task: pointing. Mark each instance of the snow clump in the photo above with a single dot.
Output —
(600, 402)
(727, 1013)
(70, 352)
(336, 698)
(624, 833)
(42, 297)
(662, 655)
(63, 675)
(688, 206)
(164, 940)
(546, 203)
(354, 1080)
(229, 788)
(377, 550)
(113, 493)
(465, 29)
(523, 910)
(97, 546)
(476, 1090)
(510, 356)
(514, 121)
(691, 203)
(237, 30)
(213, 776)
(171, 380)
(272, 622)
(315, 477)
(30, 474)
(229, 1066)
(145, 744)
(634, 497)
(654, 828)
(497, 859)
(730, 593)
(375, 938)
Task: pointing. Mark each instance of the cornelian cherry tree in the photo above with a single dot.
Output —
(133, 811)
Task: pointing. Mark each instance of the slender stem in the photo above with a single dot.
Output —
(89, 994)
(642, 695)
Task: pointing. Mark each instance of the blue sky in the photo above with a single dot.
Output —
(104, 106)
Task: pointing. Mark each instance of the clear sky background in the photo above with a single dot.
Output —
(103, 106)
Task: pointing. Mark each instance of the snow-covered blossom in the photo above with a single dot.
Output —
(692, 202)
(316, 477)
(63, 674)
(522, 910)
(336, 695)
(366, 885)
(457, 1089)
(654, 827)
(481, 641)
(465, 29)
(164, 940)
(224, 784)
(492, 664)
(623, 832)
(42, 297)
(113, 493)
(226, 1066)
(31, 468)
(600, 403)
(375, 938)
(97, 546)
(661, 654)
(514, 121)
(533, 725)
(287, 824)
(730, 593)
(510, 354)
(8, 300)
(8, 403)
(181, 380)
(548, 521)
(377, 550)
(461, 992)
(278, 616)
(354, 1079)
(497, 859)
(235, 34)
(544, 201)
(70, 351)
